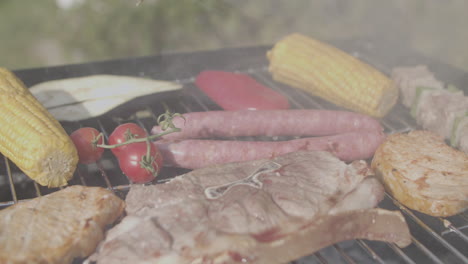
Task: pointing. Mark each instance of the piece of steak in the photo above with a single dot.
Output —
(264, 211)
(57, 227)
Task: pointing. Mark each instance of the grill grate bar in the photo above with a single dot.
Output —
(99, 162)
(80, 174)
(369, 251)
(200, 102)
(185, 81)
(38, 190)
(429, 253)
(429, 230)
(269, 82)
(9, 203)
(310, 99)
(10, 179)
(402, 121)
(104, 175)
(454, 229)
(103, 130)
(263, 77)
(184, 106)
(401, 253)
(153, 116)
(320, 258)
(140, 123)
(465, 215)
(343, 254)
(387, 125)
(122, 188)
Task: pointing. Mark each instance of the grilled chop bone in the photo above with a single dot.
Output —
(312, 200)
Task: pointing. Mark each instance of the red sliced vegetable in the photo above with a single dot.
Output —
(235, 91)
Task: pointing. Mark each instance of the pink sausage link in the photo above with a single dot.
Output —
(270, 123)
(192, 154)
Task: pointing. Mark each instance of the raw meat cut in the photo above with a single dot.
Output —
(58, 227)
(264, 211)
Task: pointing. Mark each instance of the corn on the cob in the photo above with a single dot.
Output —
(31, 138)
(332, 74)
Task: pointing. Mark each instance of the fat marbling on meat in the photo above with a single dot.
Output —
(264, 211)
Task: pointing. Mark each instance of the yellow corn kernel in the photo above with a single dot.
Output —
(31, 138)
(331, 74)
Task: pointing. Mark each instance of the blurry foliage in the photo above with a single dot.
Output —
(107, 28)
(39, 33)
(104, 29)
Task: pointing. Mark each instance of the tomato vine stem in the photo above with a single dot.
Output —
(164, 120)
(135, 140)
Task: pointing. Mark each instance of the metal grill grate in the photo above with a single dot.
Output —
(435, 240)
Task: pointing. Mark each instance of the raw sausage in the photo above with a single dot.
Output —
(196, 153)
(270, 123)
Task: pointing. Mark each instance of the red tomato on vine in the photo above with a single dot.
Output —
(137, 165)
(85, 140)
(123, 133)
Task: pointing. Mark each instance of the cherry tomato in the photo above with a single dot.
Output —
(85, 143)
(135, 163)
(123, 133)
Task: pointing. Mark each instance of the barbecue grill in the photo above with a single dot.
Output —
(435, 240)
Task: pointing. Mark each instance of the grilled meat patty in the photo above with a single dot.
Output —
(423, 173)
(264, 211)
(58, 227)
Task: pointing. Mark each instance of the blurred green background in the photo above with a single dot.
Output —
(54, 32)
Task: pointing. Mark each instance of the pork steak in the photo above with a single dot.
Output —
(264, 211)
(57, 227)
